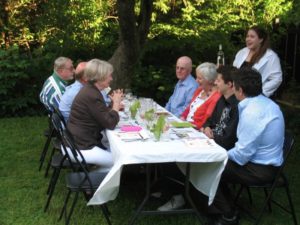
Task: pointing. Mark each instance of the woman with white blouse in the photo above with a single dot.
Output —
(259, 56)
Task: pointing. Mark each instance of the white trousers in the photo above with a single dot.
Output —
(96, 156)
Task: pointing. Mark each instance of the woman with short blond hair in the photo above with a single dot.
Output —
(205, 97)
(90, 115)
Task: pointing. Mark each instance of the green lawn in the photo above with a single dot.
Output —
(23, 188)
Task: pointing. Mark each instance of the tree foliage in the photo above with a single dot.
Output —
(114, 29)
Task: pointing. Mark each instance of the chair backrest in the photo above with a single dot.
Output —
(58, 124)
(75, 154)
(287, 145)
(57, 111)
(287, 150)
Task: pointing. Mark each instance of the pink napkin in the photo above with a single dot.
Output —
(129, 128)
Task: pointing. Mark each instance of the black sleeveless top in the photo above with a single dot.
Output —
(246, 64)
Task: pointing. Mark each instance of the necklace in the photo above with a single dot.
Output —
(204, 94)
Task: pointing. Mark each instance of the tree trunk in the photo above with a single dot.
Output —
(132, 35)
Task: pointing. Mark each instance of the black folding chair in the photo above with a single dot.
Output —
(280, 181)
(57, 141)
(85, 182)
(58, 161)
(49, 134)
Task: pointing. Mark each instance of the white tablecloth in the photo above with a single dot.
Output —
(207, 163)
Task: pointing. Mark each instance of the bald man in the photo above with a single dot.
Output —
(184, 88)
(72, 90)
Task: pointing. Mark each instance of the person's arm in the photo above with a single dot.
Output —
(106, 117)
(240, 57)
(189, 94)
(168, 105)
(206, 110)
(250, 130)
(185, 113)
(274, 76)
(228, 138)
(212, 121)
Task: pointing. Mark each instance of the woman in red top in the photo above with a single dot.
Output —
(205, 97)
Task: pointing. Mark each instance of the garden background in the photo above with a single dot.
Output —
(148, 36)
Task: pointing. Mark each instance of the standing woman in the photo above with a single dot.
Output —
(258, 55)
(90, 115)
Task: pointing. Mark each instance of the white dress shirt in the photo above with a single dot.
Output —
(268, 66)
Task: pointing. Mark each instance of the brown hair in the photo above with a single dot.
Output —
(265, 44)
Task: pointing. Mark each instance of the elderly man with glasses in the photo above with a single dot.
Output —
(54, 87)
(184, 88)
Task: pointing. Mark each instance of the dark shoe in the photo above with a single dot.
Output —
(221, 220)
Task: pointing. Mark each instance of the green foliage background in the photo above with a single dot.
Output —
(35, 32)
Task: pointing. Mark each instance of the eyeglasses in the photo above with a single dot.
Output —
(68, 68)
(180, 68)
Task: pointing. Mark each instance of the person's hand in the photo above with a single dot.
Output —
(208, 132)
(116, 98)
(182, 118)
(122, 106)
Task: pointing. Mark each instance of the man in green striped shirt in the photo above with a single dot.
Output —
(55, 85)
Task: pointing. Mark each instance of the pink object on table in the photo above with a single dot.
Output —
(130, 128)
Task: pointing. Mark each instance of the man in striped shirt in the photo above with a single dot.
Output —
(55, 85)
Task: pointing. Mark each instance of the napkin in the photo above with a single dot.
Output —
(181, 124)
(130, 128)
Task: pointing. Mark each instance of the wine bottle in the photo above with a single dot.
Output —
(220, 57)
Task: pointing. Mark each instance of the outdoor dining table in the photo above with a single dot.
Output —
(204, 162)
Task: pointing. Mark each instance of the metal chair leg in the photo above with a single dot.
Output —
(45, 149)
(249, 195)
(238, 194)
(291, 205)
(64, 208)
(105, 213)
(49, 162)
(72, 208)
(51, 187)
(269, 203)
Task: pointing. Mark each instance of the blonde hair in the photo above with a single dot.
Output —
(208, 71)
(97, 70)
(60, 62)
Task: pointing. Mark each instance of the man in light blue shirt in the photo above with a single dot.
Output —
(184, 88)
(257, 154)
(72, 90)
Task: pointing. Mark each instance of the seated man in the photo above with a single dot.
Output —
(258, 152)
(222, 124)
(72, 90)
(184, 88)
(54, 87)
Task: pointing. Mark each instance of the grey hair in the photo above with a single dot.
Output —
(208, 71)
(97, 70)
(60, 62)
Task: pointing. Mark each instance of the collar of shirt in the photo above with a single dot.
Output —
(245, 102)
(231, 100)
(75, 84)
(185, 81)
(58, 79)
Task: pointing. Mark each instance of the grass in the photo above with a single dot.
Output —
(23, 188)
